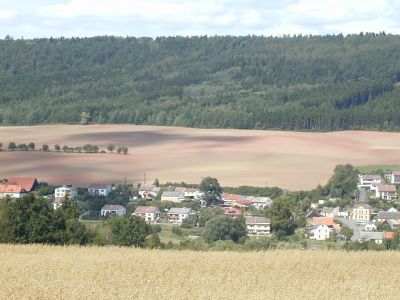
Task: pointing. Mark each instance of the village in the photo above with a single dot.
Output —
(171, 206)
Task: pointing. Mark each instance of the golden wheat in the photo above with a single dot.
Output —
(45, 272)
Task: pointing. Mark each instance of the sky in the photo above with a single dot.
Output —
(152, 18)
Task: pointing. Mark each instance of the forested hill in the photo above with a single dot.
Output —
(292, 83)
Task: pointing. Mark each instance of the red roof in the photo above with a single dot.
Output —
(387, 188)
(232, 197)
(324, 220)
(244, 202)
(233, 211)
(26, 183)
(390, 235)
(146, 209)
(11, 188)
(396, 173)
(370, 177)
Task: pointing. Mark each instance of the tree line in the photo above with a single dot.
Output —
(87, 148)
(314, 83)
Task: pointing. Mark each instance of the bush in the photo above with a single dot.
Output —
(177, 230)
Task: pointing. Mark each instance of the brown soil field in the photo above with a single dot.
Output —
(49, 272)
(291, 160)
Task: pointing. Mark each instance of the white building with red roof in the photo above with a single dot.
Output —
(386, 191)
(257, 226)
(11, 190)
(393, 177)
(149, 213)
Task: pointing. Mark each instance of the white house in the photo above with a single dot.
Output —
(361, 213)
(375, 236)
(148, 191)
(189, 193)
(393, 177)
(173, 196)
(368, 181)
(110, 210)
(386, 191)
(149, 213)
(321, 232)
(177, 215)
(11, 190)
(99, 189)
(258, 226)
(261, 202)
(370, 226)
(66, 191)
(330, 212)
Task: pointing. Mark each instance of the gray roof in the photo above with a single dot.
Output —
(365, 205)
(173, 194)
(180, 210)
(112, 207)
(372, 235)
(388, 215)
(327, 210)
(257, 220)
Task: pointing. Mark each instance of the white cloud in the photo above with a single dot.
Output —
(186, 17)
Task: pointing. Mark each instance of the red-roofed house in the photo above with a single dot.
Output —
(390, 235)
(386, 191)
(233, 212)
(149, 213)
(243, 203)
(326, 221)
(27, 183)
(367, 180)
(230, 199)
(12, 190)
(393, 177)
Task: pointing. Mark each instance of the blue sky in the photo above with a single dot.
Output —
(45, 18)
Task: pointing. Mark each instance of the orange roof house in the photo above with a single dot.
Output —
(389, 235)
(27, 183)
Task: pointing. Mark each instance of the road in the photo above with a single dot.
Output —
(362, 195)
(356, 228)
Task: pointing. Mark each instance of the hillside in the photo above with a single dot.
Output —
(44, 272)
(293, 83)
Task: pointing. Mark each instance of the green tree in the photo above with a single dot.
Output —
(57, 147)
(65, 148)
(45, 148)
(12, 146)
(347, 232)
(156, 182)
(282, 219)
(211, 190)
(343, 183)
(1, 147)
(85, 118)
(111, 148)
(31, 146)
(225, 228)
(125, 150)
(129, 231)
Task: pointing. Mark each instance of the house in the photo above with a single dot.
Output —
(320, 232)
(370, 226)
(328, 221)
(66, 191)
(29, 184)
(189, 193)
(393, 177)
(233, 212)
(374, 236)
(230, 199)
(314, 205)
(110, 210)
(148, 191)
(389, 235)
(390, 217)
(149, 213)
(57, 203)
(177, 215)
(11, 190)
(386, 191)
(243, 203)
(99, 189)
(368, 181)
(258, 226)
(173, 196)
(260, 203)
(330, 212)
(361, 213)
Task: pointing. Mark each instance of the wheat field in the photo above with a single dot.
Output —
(49, 272)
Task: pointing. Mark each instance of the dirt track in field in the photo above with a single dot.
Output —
(292, 160)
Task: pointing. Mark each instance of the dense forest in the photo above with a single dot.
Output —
(319, 83)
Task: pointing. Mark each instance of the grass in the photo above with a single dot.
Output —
(372, 168)
(49, 272)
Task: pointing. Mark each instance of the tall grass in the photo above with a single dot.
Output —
(45, 272)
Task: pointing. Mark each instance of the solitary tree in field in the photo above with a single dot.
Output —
(211, 190)
(85, 118)
(22, 147)
(119, 150)
(45, 148)
(65, 148)
(111, 147)
(1, 146)
(31, 146)
(12, 146)
(57, 147)
(125, 150)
